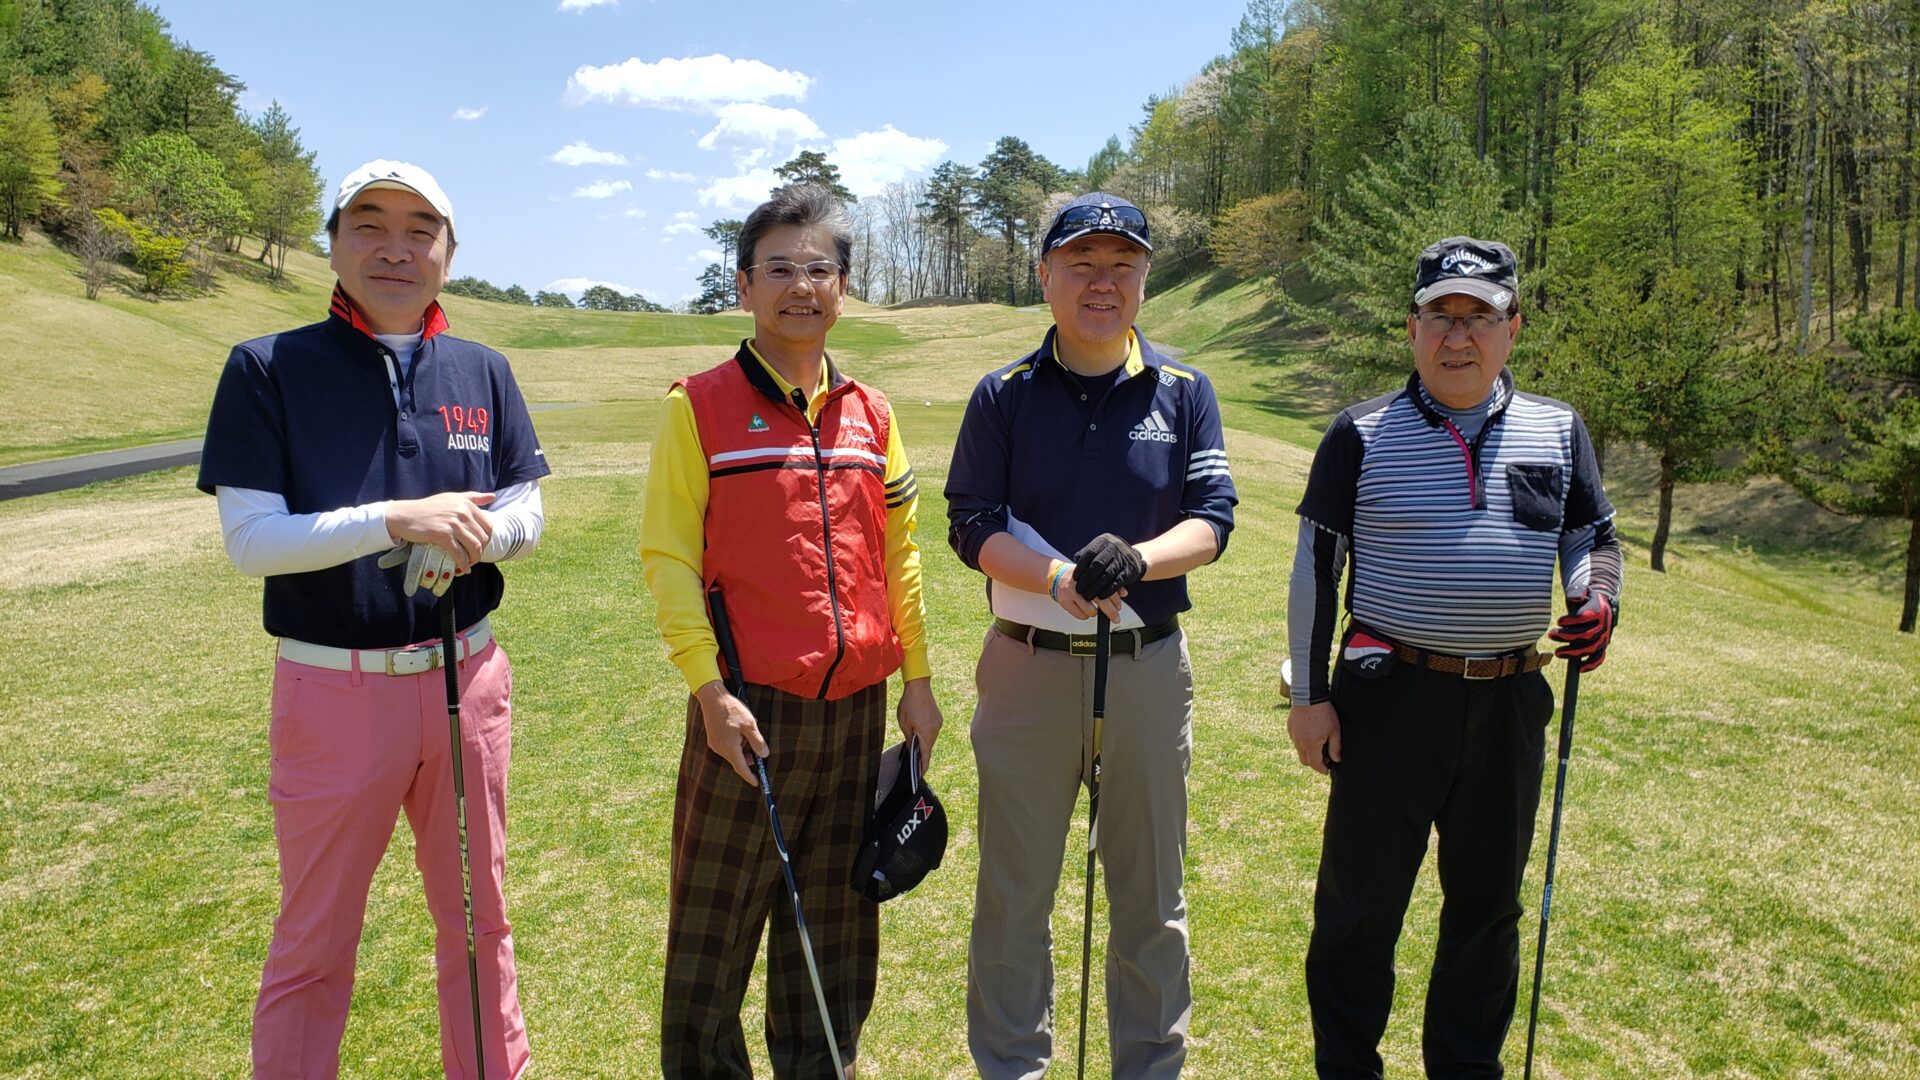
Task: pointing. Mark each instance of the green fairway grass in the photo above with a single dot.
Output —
(1736, 894)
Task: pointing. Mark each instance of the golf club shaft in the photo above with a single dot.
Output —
(448, 663)
(799, 917)
(1102, 643)
(1568, 700)
(737, 686)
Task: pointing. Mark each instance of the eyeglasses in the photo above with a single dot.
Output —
(1089, 216)
(1439, 322)
(780, 271)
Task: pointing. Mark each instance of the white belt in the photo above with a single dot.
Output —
(409, 661)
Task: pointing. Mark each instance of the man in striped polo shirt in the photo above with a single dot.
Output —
(1449, 501)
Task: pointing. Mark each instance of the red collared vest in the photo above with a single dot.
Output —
(796, 529)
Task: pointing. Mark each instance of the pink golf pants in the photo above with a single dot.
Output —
(350, 750)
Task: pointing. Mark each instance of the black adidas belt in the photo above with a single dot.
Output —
(1119, 641)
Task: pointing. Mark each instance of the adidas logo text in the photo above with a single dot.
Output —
(1153, 429)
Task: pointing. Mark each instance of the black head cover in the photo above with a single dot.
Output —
(907, 835)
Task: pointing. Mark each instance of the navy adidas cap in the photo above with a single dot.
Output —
(1097, 212)
(1484, 269)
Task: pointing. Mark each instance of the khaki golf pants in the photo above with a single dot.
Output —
(1033, 739)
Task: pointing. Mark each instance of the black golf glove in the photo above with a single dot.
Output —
(1105, 566)
(1585, 630)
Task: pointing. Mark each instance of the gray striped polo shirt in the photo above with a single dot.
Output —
(1453, 540)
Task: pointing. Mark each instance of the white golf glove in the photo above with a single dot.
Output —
(427, 567)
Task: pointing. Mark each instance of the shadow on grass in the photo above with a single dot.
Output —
(1760, 516)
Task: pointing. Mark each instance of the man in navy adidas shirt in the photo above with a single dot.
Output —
(370, 467)
(1097, 446)
(1449, 501)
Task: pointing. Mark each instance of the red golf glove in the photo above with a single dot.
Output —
(1586, 630)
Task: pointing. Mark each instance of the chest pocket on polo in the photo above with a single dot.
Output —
(1536, 495)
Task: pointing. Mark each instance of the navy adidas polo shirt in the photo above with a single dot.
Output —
(1132, 454)
(310, 414)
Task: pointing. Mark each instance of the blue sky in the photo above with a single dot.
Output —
(589, 140)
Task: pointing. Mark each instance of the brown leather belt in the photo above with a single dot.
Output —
(1119, 641)
(1501, 666)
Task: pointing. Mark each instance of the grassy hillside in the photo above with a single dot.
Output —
(1736, 895)
(78, 375)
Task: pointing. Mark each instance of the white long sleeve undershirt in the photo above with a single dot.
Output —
(263, 539)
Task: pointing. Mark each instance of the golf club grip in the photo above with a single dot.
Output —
(723, 633)
(1102, 648)
(1568, 697)
(449, 651)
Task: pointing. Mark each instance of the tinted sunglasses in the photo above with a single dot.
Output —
(1089, 216)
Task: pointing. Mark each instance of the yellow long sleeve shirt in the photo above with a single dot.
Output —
(673, 538)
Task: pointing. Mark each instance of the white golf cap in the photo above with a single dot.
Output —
(403, 175)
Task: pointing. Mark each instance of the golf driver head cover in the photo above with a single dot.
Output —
(1105, 566)
(1585, 631)
(907, 835)
(427, 567)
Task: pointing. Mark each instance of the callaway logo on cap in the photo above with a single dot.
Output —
(1460, 264)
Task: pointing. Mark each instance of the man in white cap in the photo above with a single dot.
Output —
(371, 467)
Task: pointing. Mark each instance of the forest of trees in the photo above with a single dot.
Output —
(1713, 204)
(122, 143)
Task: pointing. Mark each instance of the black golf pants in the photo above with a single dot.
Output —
(1421, 751)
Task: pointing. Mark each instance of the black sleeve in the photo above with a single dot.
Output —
(1335, 473)
(977, 478)
(246, 445)
(1586, 499)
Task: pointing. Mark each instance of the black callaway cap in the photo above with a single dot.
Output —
(1484, 269)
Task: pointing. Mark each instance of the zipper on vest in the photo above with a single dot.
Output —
(826, 535)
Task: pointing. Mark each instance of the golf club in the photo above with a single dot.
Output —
(448, 652)
(1102, 639)
(737, 686)
(1553, 848)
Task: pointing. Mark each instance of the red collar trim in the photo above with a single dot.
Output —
(343, 307)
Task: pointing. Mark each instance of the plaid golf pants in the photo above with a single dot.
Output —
(824, 763)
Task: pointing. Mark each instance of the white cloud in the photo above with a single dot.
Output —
(601, 189)
(704, 255)
(871, 160)
(581, 154)
(468, 113)
(747, 190)
(686, 215)
(633, 212)
(700, 82)
(680, 228)
(672, 177)
(750, 124)
(577, 6)
(576, 285)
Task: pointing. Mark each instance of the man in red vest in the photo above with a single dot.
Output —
(783, 483)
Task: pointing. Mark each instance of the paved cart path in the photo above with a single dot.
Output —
(60, 474)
